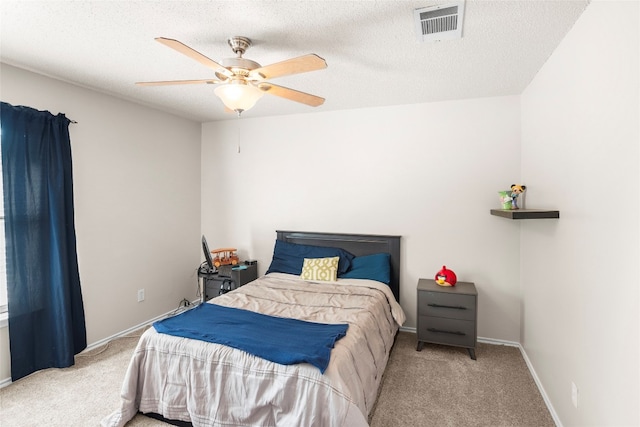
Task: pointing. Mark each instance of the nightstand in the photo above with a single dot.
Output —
(228, 279)
(447, 315)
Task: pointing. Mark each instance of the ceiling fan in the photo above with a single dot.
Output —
(243, 81)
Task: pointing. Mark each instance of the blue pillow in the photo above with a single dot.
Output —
(289, 257)
(373, 267)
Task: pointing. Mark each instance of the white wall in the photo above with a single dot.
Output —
(137, 202)
(427, 172)
(580, 274)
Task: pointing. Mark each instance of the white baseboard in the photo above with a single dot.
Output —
(6, 381)
(123, 333)
(545, 397)
(536, 379)
(141, 325)
(494, 341)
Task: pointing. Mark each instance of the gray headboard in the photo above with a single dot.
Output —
(357, 244)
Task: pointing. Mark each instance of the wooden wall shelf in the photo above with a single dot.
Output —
(525, 213)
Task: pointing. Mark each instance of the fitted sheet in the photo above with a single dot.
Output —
(214, 385)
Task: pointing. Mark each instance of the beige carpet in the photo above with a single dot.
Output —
(439, 386)
(443, 386)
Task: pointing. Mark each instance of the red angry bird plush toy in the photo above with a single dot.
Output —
(446, 277)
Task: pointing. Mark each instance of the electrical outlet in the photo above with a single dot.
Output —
(574, 394)
(140, 295)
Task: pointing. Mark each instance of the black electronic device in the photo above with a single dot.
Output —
(209, 268)
(207, 271)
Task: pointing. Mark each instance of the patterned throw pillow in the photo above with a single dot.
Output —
(320, 269)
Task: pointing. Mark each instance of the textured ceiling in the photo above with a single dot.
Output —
(373, 54)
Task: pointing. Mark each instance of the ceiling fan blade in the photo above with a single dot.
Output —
(293, 95)
(178, 82)
(301, 64)
(194, 54)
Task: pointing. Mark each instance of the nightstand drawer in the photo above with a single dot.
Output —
(447, 331)
(451, 306)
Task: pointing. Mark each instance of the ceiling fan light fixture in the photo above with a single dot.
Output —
(238, 95)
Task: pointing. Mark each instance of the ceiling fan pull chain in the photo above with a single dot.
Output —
(238, 121)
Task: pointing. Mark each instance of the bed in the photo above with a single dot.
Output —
(211, 384)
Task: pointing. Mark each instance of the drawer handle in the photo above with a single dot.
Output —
(440, 331)
(456, 307)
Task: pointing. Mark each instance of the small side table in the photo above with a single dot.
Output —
(228, 279)
(447, 315)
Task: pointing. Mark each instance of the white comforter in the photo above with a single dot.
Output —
(214, 385)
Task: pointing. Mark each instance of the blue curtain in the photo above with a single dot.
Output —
(46, 313)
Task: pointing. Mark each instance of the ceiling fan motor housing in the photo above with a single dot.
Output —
(239, 44)
(240, 65)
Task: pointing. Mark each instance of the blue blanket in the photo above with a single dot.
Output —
(280, 340)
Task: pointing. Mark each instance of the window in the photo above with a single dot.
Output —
(3, 258)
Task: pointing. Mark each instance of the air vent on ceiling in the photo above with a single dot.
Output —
(442, 22)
